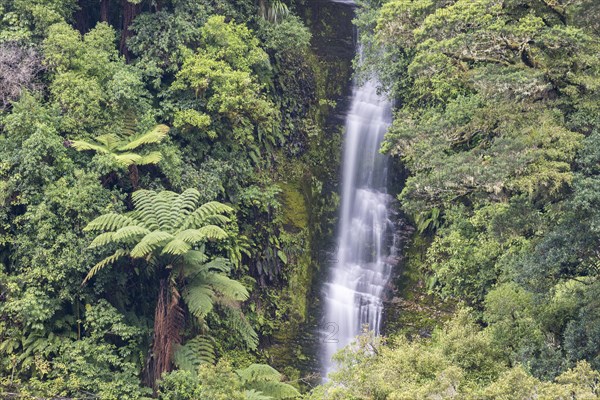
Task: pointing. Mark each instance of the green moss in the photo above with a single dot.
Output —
(295, 213)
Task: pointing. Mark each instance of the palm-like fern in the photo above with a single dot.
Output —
(121, 148)
(196, 351)
(263, 380)
(169, 231)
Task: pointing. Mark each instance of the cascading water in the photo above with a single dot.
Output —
(362, 267)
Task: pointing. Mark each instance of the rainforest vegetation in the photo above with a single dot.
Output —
(168, 185)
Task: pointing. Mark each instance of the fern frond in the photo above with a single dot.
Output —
(162, 207)
(107, 261)
(194, 258)
(82, 145)
(259, 373)
(183, 206)
(144, 203)
(213, 232)
(150, 243)
(111, 222)
(227, 287)
(176, 247)
(102, 240)
(197, 351)
(110, 141)
(193, 236)
(127, 233)
(276, 390)
(196, 271)
(237, 322)
(199, 299)
(198, 217)
(126, 159)
(265, 379)
(216, 219)
(156, 135)
(256, 395)
(152, 158)
(219, 264)
(130, 122)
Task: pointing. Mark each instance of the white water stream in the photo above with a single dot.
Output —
(361, 269)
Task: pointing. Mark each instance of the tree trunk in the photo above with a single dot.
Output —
(82, 18)
(104, 8)
(262, 8)
(134, 176)
(130, 11)
(168, 323)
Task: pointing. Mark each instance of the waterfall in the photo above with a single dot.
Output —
(361, 268)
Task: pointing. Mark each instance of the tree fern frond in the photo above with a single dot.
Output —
(82, 145)
(275, 390)
(213, 232)
(194, 258)
(253, 394)
(259, 373)
(193, 236)
(107, 261)
(219, 264)
(198, 217)
(127, 233)
(150, 243)
(227, 287)
(167, 197)
(196, 271)
(197, 351)
(154, 157)
(156, 135)
(216, 219)
(130, 122)
(176, 247)
(147, 216)
(126, 159)
(237, 322)
(265, 379)
(144, 203)
(183, 205)
(199, 300)
(110, 141)
(102, 240)
(111, 222)
(189, 199)
(162, 208)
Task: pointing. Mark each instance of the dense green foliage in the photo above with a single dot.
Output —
(159, 162)
(166, 180)
(460, 361)
(497, 126)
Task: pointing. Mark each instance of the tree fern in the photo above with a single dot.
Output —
(197, 351)
(155, 135)
(176, 247)
(196, 270)
(256, 395)
(150, 243)
(205, 212)
(110, 222)
(120, 148)
(106, 262)
(237, 322)
(225, 286)
(265, 380)
(169, 231)
(199, 300)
